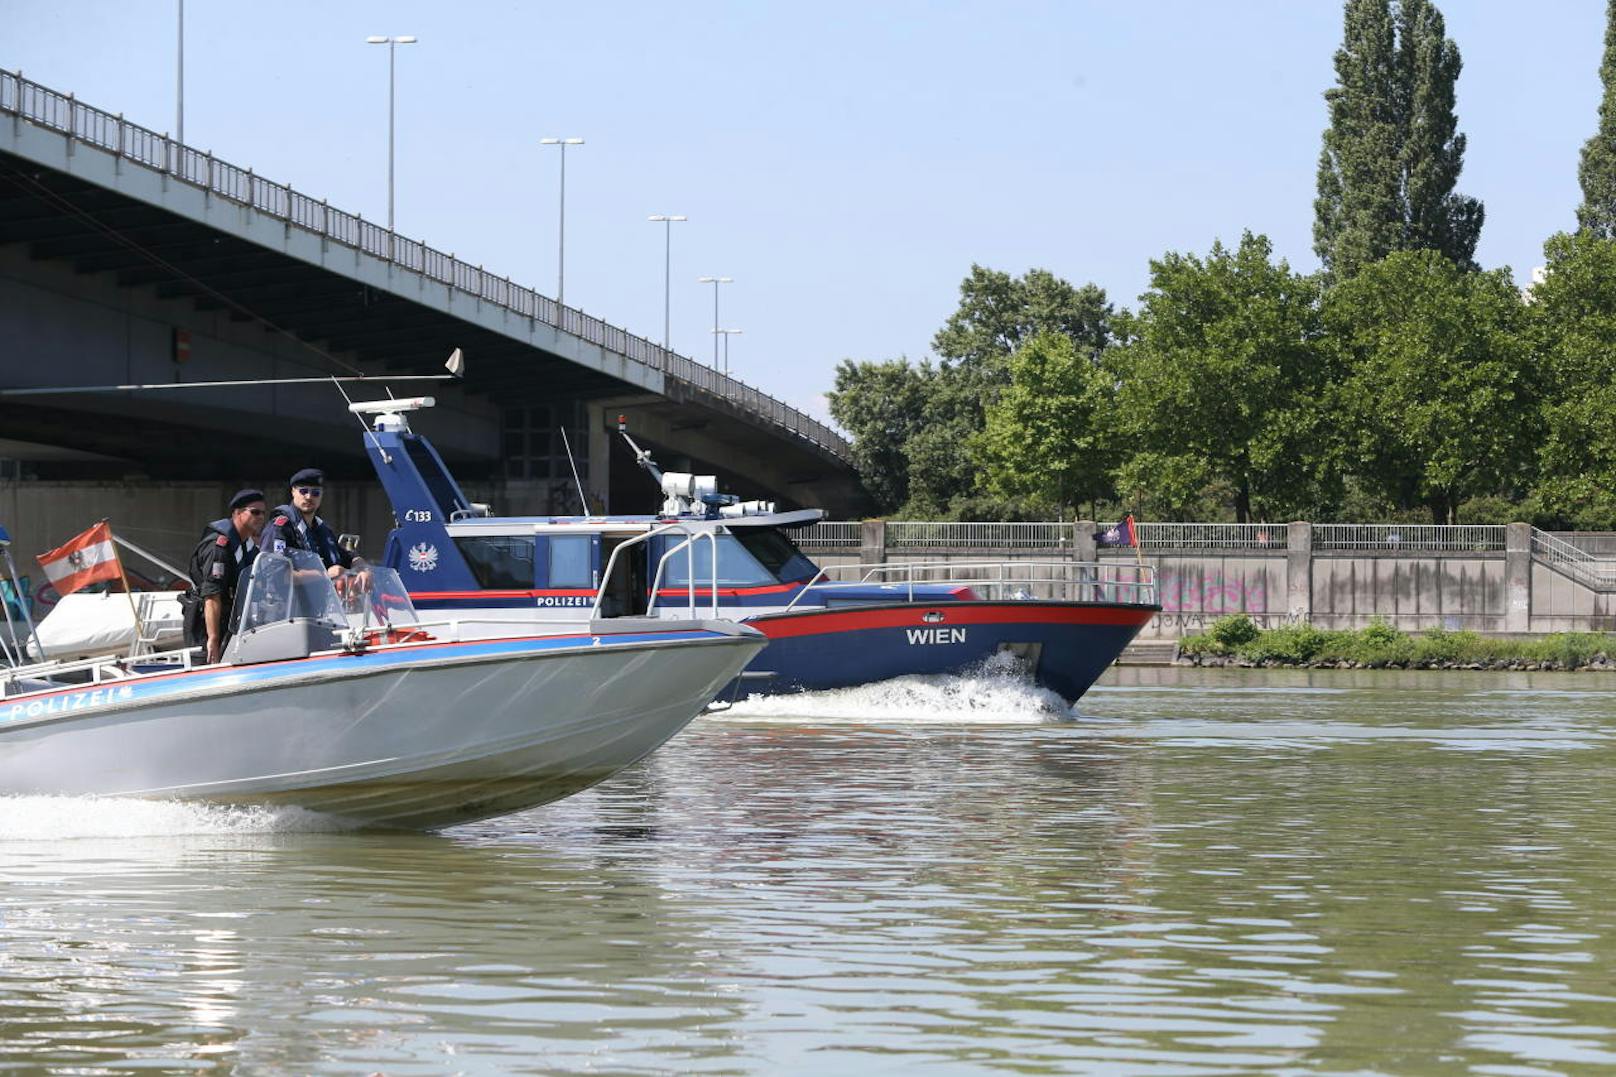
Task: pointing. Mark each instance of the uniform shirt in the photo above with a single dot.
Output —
(287, 531)
(219, 560)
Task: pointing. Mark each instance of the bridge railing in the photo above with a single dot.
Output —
(57, 111)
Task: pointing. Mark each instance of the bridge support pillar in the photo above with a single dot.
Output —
(1299, 571)
(873, 542)
(1518, 577)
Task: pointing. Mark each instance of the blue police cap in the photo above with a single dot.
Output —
(309, 476)
(243, 498)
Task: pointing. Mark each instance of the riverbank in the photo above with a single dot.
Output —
(1237, 641)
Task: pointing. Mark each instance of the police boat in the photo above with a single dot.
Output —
(1062, 622)
(354, 705)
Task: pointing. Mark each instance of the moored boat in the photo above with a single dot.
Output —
(385, 720)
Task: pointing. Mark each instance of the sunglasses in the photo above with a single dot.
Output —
(309, 491)
(256, 512)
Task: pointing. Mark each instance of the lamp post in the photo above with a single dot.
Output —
(726, 334)
(667, 219)
(392, 44)
(561, 259)
(179, 81)
(715, 282)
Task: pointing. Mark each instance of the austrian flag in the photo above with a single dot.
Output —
(82, 560)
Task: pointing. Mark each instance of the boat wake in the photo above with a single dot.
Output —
(53, 818)
(996, 692)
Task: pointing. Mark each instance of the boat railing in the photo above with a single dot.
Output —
(88, 673)
(1064, 581)
(687, 545)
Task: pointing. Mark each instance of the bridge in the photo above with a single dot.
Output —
(128, 257)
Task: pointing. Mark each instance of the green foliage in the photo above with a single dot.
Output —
(1233, 631)
(998, 313)
(882, 405)
(1572, 330)
(1046, 436)
(1596, 217)
(1292, 644)
(1392, 153)
(1221, 381)
(1442, 645)
(1436, 386)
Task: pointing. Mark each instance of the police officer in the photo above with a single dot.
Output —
(226, 550)
(296, 526)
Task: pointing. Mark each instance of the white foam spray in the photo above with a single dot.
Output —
(54, 818)
(996, 692)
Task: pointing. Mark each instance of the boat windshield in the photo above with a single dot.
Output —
(376, 598)
(747, 557)
(777, 553)
(289, 586)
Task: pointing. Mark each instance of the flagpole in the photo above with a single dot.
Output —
(140, 630)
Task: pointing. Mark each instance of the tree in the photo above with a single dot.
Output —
(1436, 389)
(882, 405)
(1392, 152)
(997, 312)
(1597, 170)
(1572, 322)
(1222, 383)
(1048, 437)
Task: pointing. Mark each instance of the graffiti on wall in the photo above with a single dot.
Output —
(1212, 592)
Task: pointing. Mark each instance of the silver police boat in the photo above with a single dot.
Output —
(349, 704)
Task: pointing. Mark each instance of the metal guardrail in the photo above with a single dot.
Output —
(831, 535)
(62, 112)
(1421, 538)
(1165, 536)
(1573, 561)
(1067, 581)
(976, 536)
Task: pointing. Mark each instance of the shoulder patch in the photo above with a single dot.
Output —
(224, 540)
(280, 521)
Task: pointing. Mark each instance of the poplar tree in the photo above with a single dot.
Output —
(1392, 152)
(1597, 172)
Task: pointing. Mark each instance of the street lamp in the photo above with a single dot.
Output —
(179, 82)
(561, 271)
(392, 44)
(667, 219)
(715, 282)
(726, 334)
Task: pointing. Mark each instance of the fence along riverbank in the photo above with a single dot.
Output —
(1491, 578)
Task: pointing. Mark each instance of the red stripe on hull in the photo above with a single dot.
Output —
(912, 614)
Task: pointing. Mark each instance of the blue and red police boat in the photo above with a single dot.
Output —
(707, 554)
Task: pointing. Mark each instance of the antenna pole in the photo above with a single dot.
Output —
(567, 443)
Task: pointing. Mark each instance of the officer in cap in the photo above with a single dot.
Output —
(297, 526)
(225, 552)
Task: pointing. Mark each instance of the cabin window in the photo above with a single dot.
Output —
(776, 552)
(736, 567)
(571, 562)
(500, 562)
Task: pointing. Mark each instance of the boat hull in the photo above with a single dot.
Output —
(1064, 645)
(419, 737)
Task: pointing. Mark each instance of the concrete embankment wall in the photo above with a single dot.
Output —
(1495, 591)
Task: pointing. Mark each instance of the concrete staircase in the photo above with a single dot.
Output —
(1149, 652)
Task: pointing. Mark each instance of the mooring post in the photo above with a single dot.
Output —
(1299, 571)
(873, 542)
(1518, 577)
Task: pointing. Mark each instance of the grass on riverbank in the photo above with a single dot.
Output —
(1237, 639)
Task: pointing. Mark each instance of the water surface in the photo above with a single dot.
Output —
(1214, 871)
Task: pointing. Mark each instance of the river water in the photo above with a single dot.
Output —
(1207, 872)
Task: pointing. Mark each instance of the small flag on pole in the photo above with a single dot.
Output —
(1121, 534)
(84, 559)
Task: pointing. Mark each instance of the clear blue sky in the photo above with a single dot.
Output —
(844, 162)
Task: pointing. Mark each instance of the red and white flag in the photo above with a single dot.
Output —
(82, 560)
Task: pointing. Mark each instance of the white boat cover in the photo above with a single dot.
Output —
(86, 625)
